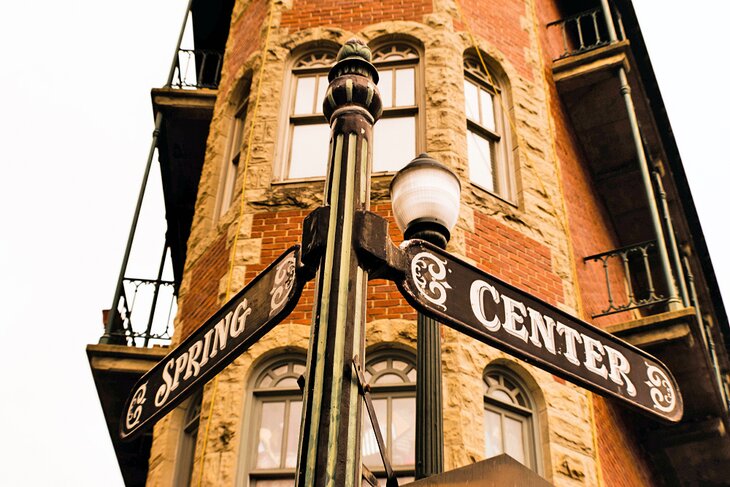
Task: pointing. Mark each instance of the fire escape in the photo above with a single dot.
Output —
(138, 326)
(660, 289)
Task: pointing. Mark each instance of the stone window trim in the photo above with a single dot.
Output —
(317, 61)
(507, 395)
(498, 134)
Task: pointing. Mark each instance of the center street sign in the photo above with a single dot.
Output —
(494, 312)
(257, 308)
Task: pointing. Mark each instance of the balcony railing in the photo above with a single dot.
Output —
(629, 277)
(145, 313)
(197, 68)
(586, 31)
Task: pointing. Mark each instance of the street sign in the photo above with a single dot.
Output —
(251, 313)
(494, 312)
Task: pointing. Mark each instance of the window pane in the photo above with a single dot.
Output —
(395, 143)
(493, 434)
(275, 483)
(471, 99)
(501, 396)
(487, 101)
(305, 96)
(405, 87)
(385, 85)
(480, 160)
(270, 435)
(513, 439)
(403, 431)
(370, 452)
(292, 437)
(389, 379)
(309, 148)
(322, 85)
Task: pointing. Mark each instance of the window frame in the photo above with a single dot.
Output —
(289, 119)
(187, 443)
(390, 392)
(499, 139)
(250, 474)
(527, 414)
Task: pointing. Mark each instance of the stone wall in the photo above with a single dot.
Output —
(525, 240)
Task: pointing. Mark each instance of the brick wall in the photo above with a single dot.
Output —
(502, 26)
(513, 257)
(352, 15)
(624, 464)
(202, 300)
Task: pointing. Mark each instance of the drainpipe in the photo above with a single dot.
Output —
(109, 325)
(673, 301)
(609, 21)
(706, 334)
(672, 239)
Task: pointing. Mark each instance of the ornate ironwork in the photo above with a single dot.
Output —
(632, 262)
(197, 68)
(586, 31)
(139, 300)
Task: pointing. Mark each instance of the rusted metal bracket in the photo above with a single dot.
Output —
(375, 248)
(364, 387)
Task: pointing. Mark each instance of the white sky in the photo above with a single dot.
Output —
(75, 127)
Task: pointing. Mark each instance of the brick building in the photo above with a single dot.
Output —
(572, 190)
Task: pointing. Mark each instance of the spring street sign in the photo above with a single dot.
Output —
(494, 312)
(251, 313)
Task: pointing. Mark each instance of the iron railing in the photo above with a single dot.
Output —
(153, 303)
(585, 31)
(630, 266)
(197, 68)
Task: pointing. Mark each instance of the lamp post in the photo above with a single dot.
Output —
(425, 196)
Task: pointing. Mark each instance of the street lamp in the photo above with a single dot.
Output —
(425, 196)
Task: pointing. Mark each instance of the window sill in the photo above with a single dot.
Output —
(503, 199)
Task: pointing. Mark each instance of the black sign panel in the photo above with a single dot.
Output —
(262, 304)
(494, 312)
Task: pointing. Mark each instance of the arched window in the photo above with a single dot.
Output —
(276, 414)
(509, 418)
(307, 140)
(397, 135)
(487, 130)
(188, 439)
(232, 158)
(392, 377)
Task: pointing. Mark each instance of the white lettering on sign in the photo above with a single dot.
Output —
(188, 365)
(539, 330)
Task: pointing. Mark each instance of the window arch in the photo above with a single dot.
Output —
(276, 412)
(237, 110)
(488, 128)
(509, 417)
(392, 377)
(188, 440)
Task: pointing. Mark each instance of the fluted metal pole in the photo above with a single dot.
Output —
(329, 449)
(429, 423)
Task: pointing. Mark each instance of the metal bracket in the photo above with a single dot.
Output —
(364, 387)
(314, 237)
(375, 248)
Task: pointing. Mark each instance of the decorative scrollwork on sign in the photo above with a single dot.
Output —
(662, 393)
(429, 274)
(283, 282)
(134, 413)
